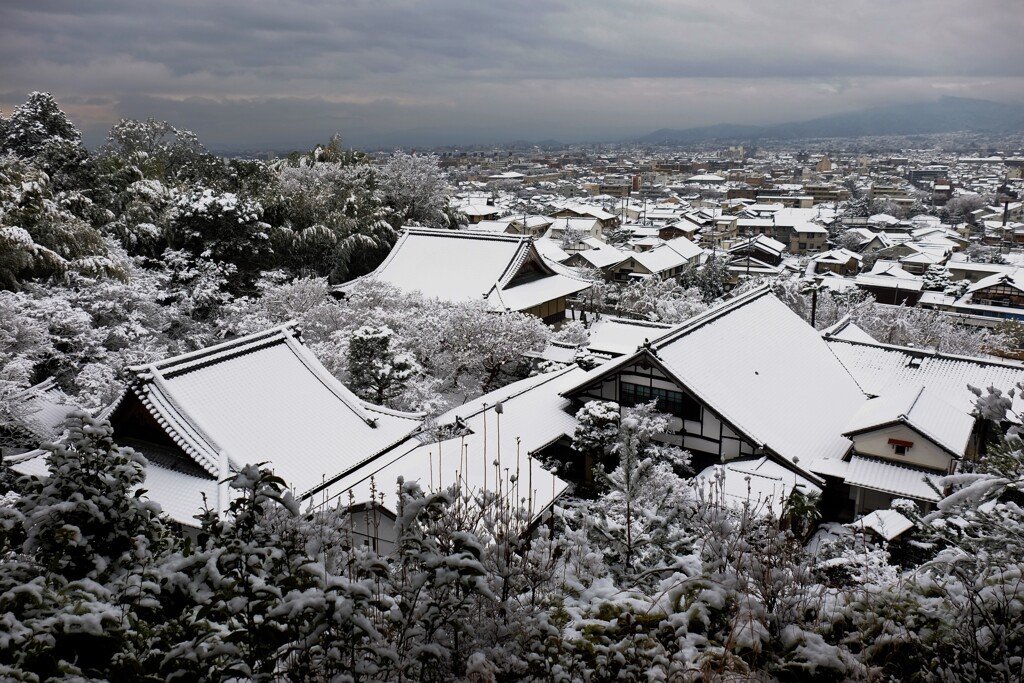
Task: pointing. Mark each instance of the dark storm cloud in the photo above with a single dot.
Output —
(389, 68)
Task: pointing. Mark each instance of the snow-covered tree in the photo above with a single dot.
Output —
(224, 228)
(572, 333)
(937, 278)
(375, 372)
(336, 215)
(709, 279)
(416, 189)
(85, 520)
(980, 253)
(596, 434)
(40, 235)
(831, 307)
(907, 326)
(159, 150)
(645, 491)
(33, 124)
(660, 300)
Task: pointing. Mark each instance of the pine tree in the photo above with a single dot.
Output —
(376, 373)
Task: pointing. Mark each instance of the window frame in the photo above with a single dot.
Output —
(677, 403)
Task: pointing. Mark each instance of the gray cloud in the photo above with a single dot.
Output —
(261, 72)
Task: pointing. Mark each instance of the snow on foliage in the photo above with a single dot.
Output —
(154, 247)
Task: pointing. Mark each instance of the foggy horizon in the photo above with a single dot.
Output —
(255, 75)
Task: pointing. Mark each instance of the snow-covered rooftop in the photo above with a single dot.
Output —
(617, 337)
(882, 369)
(887, 477)
(533, 416)
(923, 411)
(886, 523)
(766, 372)
(760, 484)
(460, 265)
(603, 257)
(264, 398)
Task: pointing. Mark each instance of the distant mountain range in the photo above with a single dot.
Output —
(947, 115)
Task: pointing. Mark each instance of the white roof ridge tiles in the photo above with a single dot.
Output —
(517, 262)
(923, 352)
(917, 397)
(156, 397)
(466, 234)
(185, 359)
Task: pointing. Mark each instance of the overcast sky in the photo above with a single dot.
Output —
(289, 73)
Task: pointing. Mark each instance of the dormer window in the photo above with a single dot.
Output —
(900, 447)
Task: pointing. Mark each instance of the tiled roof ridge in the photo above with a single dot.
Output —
(924, 353)
(522, 253)
(299, 351)
(331, 383)
(173, 421)
(467, 234)
(217, 352)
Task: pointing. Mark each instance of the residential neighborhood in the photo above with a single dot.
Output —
(531, 411)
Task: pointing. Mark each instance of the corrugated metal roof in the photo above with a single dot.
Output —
(883, 370)
(945, 425)
(879, 475)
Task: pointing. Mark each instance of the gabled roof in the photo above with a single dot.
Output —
(923, 411)
(264, 398)
(586, 210)
(602, 258)
(764, 370)
(461, 265)
(1014, 280)
(749, 264)
(477, 262)
(839, 256)
(684, 247)
(886, 523)
(660, 258)
(584, 224)
(883, 369)
(761, 242)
